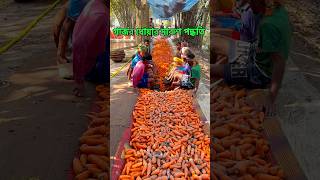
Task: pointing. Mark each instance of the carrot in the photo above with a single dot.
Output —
(156, 172)
(221, 132)
(166, 165)
(149, 168)
(145, 166)
(95, 171)
(96, 160)
(247, 177)
(225, 154)
(266, 177)
(97, 122)
(218, 147)
(99, 150)
(83, 176)
(83, 159)
(197, 171)
(105, 158)
(179, 174)
(96, 130)
(92, 141)
(189, 149)
(124, 177)
(77, 166)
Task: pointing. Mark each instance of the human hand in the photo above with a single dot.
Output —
(194, 93)
(263, 101)
(268, 106)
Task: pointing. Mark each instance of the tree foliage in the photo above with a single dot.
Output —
(198, 15)
(124, 12)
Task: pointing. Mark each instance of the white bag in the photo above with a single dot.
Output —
(235, 50)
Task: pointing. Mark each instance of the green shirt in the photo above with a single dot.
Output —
(195, 73)
(274, 37)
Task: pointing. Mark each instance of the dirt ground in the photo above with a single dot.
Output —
(304, 16)
(40, 119)
(299, 99)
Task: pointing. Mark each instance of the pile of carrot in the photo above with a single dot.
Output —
(240, 150)
(162, 58)
(168, 141)
(93, 160)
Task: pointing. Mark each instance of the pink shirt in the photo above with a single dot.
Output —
(89, 38)
(137, 73)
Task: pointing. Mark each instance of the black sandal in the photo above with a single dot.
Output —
(69, 78)
(77, 93)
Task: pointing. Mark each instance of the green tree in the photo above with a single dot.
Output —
(197, 16)
(123, 11)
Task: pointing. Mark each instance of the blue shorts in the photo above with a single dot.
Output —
(75, 8)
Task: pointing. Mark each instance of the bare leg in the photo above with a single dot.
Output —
(67, 27)
(129, 73)
(58, 22)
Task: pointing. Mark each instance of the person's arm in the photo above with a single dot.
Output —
(277, 75)
(197, 82)
(270, 43)
(196, 74)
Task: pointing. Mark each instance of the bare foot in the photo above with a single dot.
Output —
(62, 60)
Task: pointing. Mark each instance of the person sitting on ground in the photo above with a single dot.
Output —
(89, 41)
(181, 77)
(192, 80)
(195, 73)
(248, 24)
(146, 42)
(178, 66)
(70, 13)
(178, 63)
(137, 57)
(140, 74)
(180, 45)
(265, 68)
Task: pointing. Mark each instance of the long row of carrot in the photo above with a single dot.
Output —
(167, 139)
(240, 150)
(162, 58)
(93, 161)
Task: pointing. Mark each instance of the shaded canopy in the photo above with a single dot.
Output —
(168, 8)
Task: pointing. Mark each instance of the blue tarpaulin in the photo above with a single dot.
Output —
(167, 8)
